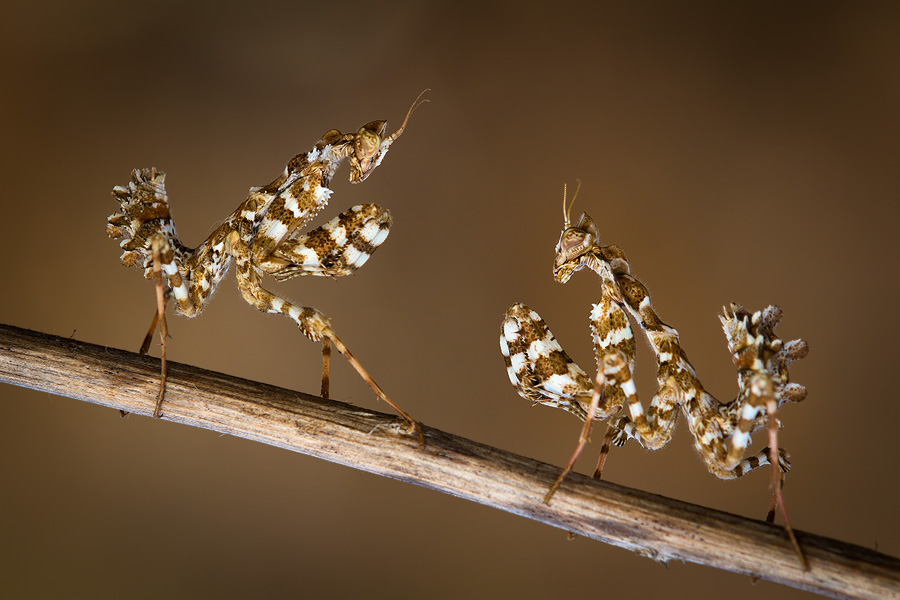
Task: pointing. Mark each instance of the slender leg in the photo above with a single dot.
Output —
(599, 386)
(145, 345)
(148, 339)
(773, 507)
(542, 372)
(413, 424)
(778, 482)
(326, 362)
(604, 450)
(312, 323)
(163, 329)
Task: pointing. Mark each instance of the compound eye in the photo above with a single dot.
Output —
(366, 144)
(572, 239)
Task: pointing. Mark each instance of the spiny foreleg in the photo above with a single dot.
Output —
(542, 372)
(335, 249)
(538, 367)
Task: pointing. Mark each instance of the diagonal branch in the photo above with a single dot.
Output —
(659, 528)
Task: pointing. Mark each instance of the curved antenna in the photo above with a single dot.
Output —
(416, 104)
(568, 211)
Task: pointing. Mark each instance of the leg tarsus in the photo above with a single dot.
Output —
(313, 324)
(414, 425)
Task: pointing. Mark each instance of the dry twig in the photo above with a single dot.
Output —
(659, 528)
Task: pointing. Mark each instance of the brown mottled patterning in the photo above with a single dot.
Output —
(263, 237)
(542, 372)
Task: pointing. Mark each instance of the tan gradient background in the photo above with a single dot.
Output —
(746, 154)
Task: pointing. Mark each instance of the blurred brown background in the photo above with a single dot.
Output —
(745, 153)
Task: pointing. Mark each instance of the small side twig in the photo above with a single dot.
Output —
(659, 528)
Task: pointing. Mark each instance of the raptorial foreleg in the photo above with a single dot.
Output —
(538, 367)
(542, 372)
(335, 249)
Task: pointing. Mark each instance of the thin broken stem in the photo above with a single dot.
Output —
(659, 528)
